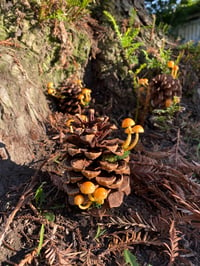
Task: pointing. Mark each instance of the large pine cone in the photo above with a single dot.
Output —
(90, 154)
(163, 89)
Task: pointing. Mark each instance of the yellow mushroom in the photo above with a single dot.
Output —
(136, 129)
(68, 124)
(87, 187)
(144, 82)
(170, 64)
(87, 94)
(174, 68)
(175, 71)
(99, 195)
(127, 123)
(81, 98)
(79, 200)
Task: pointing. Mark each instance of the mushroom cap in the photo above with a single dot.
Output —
(170, 64)
(51, 91)
(168, 102)
(78, 199)
(80, 96)
(137, 129)
(50, 85)
(86, 90)
(128, 122)
(87, 187)
(143, 81)
(100, 194)
(175, 68)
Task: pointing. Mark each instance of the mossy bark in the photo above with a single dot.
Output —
(31, 57)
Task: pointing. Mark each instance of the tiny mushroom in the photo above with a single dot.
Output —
(136, 129)
(170, 64)
(87, 187)
(174, 68)
(69, 124)
(86, 92)
(144, 82)
(80, 202)
(81, 98)
(175, 71)
(50, 89)
(127, 123)
(99, 195)
(168, 102)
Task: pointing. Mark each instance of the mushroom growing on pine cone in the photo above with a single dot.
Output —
(92, 167)
(70, 97)
(163, 90)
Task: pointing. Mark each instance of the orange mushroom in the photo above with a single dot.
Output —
(81, 98)
(87, 187)
(99, 195)
(144, 82)
(170, 64)
(69, 124)
(136, 129)
(79, 200)
(127, 123)
(50, 89)
(87, 95)
(174, 68)
(175, 71)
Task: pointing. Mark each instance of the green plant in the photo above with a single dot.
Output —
(49, 216)
(163, 118)
(99, 232)
(159, 61)
(68, 10)
(39, 196)
(129, 258)
(127, 39)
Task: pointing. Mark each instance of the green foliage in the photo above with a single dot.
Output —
(99, 232)
(114, 158)
(39, 196)
(163, 118)
(51, 218)
(41, 239)
(68, 10)
(129, 258)
(172, 12)
(159, 61)
(127, 39)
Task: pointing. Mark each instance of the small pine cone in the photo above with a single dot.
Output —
(163, 89)
(90, 154)
(68, 101)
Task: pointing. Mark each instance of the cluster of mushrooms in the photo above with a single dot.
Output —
(90, 193)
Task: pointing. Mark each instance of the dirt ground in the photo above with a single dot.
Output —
(158, 223)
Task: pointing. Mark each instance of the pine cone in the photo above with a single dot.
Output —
(91, 157)
(163, 89)
(69, 91)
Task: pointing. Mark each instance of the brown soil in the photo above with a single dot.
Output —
(158, 222)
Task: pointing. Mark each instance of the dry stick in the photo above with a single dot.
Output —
(20, 203)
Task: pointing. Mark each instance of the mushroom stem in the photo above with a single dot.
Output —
(127, 142)
(174, 71)
(86, 206)
(133, 144)
(81, 98)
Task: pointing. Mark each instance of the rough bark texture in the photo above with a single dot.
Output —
(30, 59)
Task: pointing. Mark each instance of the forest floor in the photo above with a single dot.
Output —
(158, 222)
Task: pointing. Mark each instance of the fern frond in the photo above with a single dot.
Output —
(114, 23)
